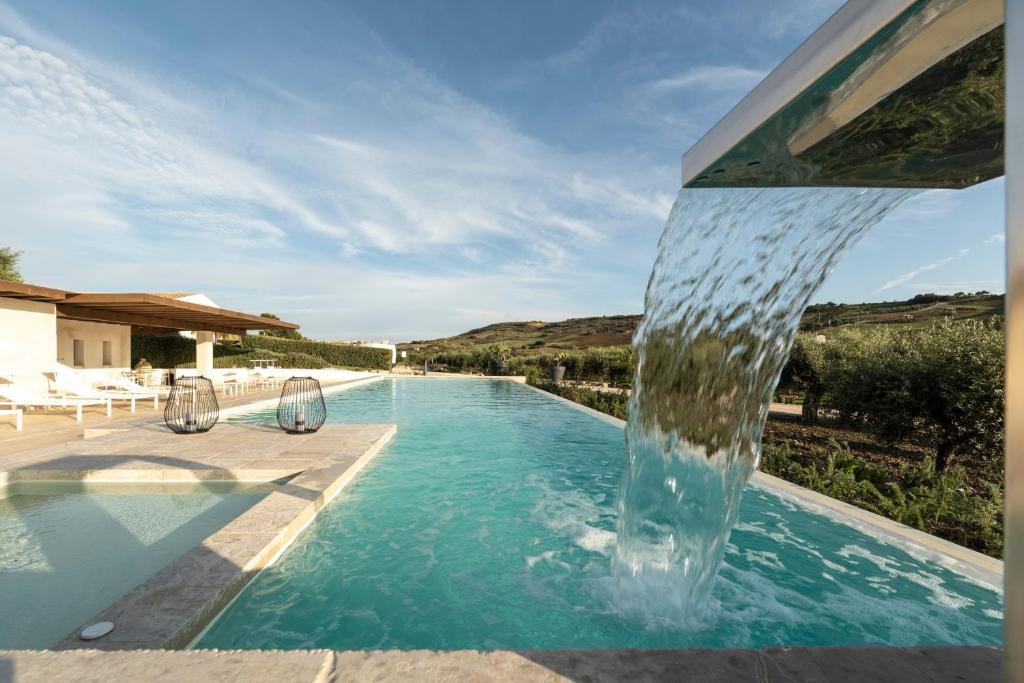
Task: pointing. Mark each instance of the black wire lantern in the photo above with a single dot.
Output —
(192, 406)
(301, 408)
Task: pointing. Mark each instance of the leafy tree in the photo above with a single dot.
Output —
(806, 371)
(943, 384)
(958, 375)
(868, 382)
(283, 334)
(9, 264)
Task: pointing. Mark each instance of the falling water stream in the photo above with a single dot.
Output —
(735, 270)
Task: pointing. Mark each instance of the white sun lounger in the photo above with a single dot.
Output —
(16, 412)
(125, 384)
(14, 397)
(67, 384)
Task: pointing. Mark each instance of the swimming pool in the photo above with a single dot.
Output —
(487, 524)
(67, 549)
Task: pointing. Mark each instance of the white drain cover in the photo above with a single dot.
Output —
(94, 631)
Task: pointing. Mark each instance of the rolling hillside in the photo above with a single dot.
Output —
(617, 330)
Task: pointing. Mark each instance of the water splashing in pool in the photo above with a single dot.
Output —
(734, 271)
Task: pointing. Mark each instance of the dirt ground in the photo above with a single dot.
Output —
(803, 439)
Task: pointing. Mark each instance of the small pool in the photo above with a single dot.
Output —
(487, 524)
(68, 550)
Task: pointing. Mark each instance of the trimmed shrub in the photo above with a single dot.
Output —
(241, 360)
(175, 351)
(341, 355)
(614, 365)
(616, 405)
(164, 352)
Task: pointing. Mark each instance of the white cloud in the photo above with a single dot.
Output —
(925, 205)
(908, 276)
(127, 157)
(998, 238)
(106, 184)
(709, 78)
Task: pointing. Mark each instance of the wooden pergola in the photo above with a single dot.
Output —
(148, 314)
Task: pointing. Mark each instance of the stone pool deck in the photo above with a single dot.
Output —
(176, 603)
(834, 665)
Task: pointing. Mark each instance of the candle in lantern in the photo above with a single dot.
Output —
(300, 418)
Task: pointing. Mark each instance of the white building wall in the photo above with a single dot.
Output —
(28, 342)
(92, 335)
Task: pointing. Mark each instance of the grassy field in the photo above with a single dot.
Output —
(617, 330)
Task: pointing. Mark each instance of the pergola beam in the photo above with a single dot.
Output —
(106, 316)
(196, 315)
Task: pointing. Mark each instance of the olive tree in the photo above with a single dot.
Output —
(942, 385)
(806, 371)
(958, 375)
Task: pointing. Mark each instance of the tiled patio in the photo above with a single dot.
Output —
(173, 606)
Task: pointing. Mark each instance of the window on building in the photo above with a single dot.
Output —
(108, 354)
(79, 347)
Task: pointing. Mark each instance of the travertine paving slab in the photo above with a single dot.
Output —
(833, 665)
(173, 605)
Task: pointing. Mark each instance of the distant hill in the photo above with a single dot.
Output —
(617, 330)
(611, 330)
(918, 311)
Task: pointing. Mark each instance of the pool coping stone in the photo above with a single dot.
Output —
(773, 665)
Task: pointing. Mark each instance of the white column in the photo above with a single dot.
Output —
(204, 353)
(1013, 623)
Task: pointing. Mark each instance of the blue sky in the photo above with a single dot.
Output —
(402, 169)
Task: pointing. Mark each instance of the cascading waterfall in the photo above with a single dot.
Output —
(735, 270)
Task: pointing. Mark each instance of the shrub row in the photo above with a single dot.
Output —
(241, 360)
(601, 364)
(616, 405)
(340, 355)
(175, 351)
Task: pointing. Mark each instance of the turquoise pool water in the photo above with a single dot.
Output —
(487, 523)
(67, 550)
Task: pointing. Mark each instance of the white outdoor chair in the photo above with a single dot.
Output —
(233, 384)
(122, 383)
(13, 396)
(71, 384)
(16, 412)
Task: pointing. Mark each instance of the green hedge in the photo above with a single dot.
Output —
(616, 405)
(164, 352)
(175, 351)
(614, 364)
(343, 355)
(241, 360)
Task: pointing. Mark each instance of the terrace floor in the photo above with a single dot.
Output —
(835, 665)
(56, 427)
(175, 604)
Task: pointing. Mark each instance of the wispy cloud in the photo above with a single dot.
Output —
(709, 78)
(998, 238)
(926, 205)
(409, 178)
(910, 275)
